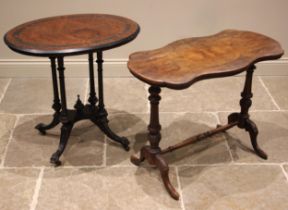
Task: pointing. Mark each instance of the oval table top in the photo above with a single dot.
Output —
(71, 34)
(181, 63)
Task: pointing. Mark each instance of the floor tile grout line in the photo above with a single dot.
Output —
(9, 141)
(284, 172)
(104, 163)
(34, 202)
(227, 164)
(180, 189)
(226, 140)
(5, 89)
(268, 92)
(132, 166)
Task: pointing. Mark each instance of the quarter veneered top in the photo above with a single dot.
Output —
(71, 34)
(183, 62)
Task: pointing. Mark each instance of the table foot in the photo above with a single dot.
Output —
(65, 133)
(154, 158)
(104, 127)
(137, 161)
(252, 129)
(41, 127)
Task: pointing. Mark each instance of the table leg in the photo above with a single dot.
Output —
(67, 124)
(56, 102)
(153, 152)
(243, 117)
(101, 119)
(92, 95)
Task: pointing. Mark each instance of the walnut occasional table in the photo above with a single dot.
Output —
(184, 62)
(61, 36)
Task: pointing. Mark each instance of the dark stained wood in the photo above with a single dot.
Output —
(183, 62)
(71, 34)
(58, 37)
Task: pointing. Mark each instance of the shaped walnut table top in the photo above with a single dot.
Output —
(180, 64)
(183, 62)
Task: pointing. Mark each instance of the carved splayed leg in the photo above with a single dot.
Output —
(243, 117)
(164, 170)
(65, 133)
(143, 154)
(102, 123)
(101, 119)
(41, 127)
(152, 153)
(251, 127)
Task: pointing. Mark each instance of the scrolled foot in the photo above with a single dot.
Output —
(55, 159)
(164, 170)
(41, 127)
(137, 161)
(104, 127)
(65, 133)
(251, 127)
(125, 143)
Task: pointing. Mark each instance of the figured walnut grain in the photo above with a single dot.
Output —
(183, 62)
(71, 34)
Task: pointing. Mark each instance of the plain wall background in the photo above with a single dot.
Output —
(161, 21)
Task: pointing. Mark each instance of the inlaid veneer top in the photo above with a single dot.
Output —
(71, 34)
(183, 62)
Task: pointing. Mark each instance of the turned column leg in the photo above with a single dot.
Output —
(101, 119)
(153, 152)
(67, 125)
(99, 62)
(243, 117)
(92, 96)
(56, 102)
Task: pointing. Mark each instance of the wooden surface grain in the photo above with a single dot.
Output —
(71, 34)
(183, 62)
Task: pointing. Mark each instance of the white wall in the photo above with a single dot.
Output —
(161, 21)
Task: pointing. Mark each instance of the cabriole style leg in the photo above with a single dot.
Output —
(153, 152)
(56, 102)
(101, 119)
(65, 133)
(243, 117)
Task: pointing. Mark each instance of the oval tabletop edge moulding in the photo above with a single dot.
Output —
(183, 62)
(71, 34)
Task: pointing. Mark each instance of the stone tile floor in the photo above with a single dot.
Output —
(220, 173)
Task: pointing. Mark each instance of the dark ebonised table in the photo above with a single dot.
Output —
(58, 37)
(182, 63)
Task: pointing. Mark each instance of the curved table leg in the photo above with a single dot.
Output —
(137, 161)
(251, 127)
(152, 153)
(104, 127)
(154, 158)
(243, 117)
(65, 133)
(164, 170)
(41, 127)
